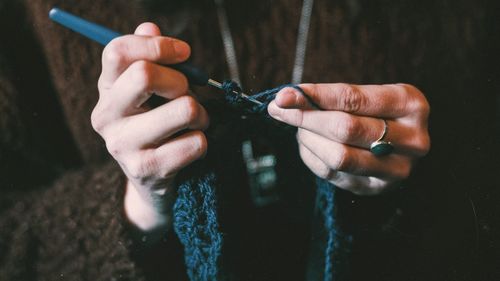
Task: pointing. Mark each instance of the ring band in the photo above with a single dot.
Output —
(381, 147)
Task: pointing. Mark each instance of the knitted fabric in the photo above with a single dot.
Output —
(338, 244)
(195, 214)
(195, 222)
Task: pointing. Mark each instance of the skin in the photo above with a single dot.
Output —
(153, 145)
(334, 139)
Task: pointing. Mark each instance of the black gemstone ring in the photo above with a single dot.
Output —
(381, 147)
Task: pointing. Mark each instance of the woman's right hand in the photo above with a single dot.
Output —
(151, 145)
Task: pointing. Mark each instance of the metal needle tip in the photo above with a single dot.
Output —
(218, 85)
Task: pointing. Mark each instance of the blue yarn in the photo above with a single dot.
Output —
(327, 193)
(195, 222)
(265, 97)
(195, 210)
(338, 244)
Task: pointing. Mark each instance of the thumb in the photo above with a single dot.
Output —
(289, 98)
(148, 29)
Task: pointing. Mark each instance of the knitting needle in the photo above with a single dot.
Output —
(216, 84)
(104, 35)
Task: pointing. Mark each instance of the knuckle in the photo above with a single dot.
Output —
(422, 144)
(161, 47)
(143, 166)
(157, 47)
(348, 129)
(190, 108)
(417, 100)
(298, 118)
(419, 105)
(339, 160)
(101, 84)
(405, 173)
(404, 170)
(115, 146)
(359, 191)
(313, 90)
(294, 117)
(319, 168)
(423, 106)
(408, 88)
(375, 190)
(350, 98)
(182, 84)
(323, 172)
(142, 74)
(299, 135)
(199, 143)
(113, 53)
(302, 136)
(97, 121)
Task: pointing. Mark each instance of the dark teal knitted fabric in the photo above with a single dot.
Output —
(195, 222)
(195, 210)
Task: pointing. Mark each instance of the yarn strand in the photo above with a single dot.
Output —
(231, 88)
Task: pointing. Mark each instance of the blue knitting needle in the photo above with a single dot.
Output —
(104, 35)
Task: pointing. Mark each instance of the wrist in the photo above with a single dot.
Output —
(147, 212)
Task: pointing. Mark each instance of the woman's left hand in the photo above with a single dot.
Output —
(334, 139)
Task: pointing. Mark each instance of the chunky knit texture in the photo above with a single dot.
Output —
(195, 222)
(68, 223)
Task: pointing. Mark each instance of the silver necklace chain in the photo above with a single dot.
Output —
(300, 49)
(227, 40)
(301, 46)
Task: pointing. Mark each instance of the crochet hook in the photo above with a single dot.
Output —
(104, 35)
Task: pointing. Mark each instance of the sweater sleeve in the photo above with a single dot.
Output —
(74, 229)
(56, 224)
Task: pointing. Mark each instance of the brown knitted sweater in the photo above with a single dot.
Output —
(61, 194)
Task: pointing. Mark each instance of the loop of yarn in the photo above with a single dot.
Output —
(232, 96)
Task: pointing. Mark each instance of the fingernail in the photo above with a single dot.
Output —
(181, 48)
(292, 92)
(272, 110)
(286, 97)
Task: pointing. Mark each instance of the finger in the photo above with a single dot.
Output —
(153, 127)
(360, 185)
(353, 160)
(315, 164)
(337, 126)
(139, 82)
(168, 159)
(382, 101)
(147, 29)
(124, 50)
(182, 150)
(354, 130)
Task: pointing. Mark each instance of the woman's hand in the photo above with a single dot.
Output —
(151, 145)
(335, 139)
